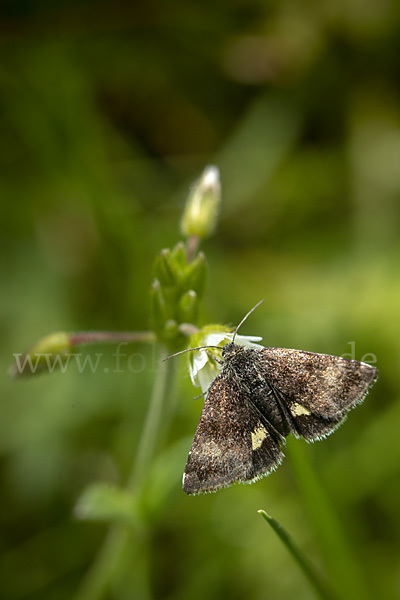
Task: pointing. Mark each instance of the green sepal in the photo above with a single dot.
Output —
(188, 307)
(195, 275)
(179, 257)
(157, 306)
(163, 268)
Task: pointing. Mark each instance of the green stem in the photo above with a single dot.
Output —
(111, 554)
(99, 337)
(162, 388)
(192, 247)
(306, 567)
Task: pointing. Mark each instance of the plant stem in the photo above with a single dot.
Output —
(162, 388)
(111, 553)
(98, 337)
(191, 247)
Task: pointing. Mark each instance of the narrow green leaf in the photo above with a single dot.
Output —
(341, 560)
(319, 586)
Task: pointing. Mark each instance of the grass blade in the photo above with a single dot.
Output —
(319, 586)
(342, 562)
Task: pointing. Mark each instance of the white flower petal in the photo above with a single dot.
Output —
(202, 371)
(248, 340)
(213, 339)
(205, 378)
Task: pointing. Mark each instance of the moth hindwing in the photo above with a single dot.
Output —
(258, 398)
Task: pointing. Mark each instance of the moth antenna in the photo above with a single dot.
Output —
(217, 360)
(189, 350)
(245, 317)
(200, 396)
(219, 347)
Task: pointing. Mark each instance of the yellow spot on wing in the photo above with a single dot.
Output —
(297, 409)
(258, 436)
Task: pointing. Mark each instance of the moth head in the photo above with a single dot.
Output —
(203, 364)
(231, 349)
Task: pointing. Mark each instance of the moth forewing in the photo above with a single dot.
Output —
(327, 386)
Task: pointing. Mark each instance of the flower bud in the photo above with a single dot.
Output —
(202, 207)
(48, 354)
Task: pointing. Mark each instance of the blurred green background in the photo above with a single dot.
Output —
(109, 111)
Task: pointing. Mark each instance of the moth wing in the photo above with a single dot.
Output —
(233, 442)
(315, 390)
(300, 420)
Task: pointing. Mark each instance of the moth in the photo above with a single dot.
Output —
(258, 398)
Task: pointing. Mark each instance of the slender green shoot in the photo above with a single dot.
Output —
(319, 586)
